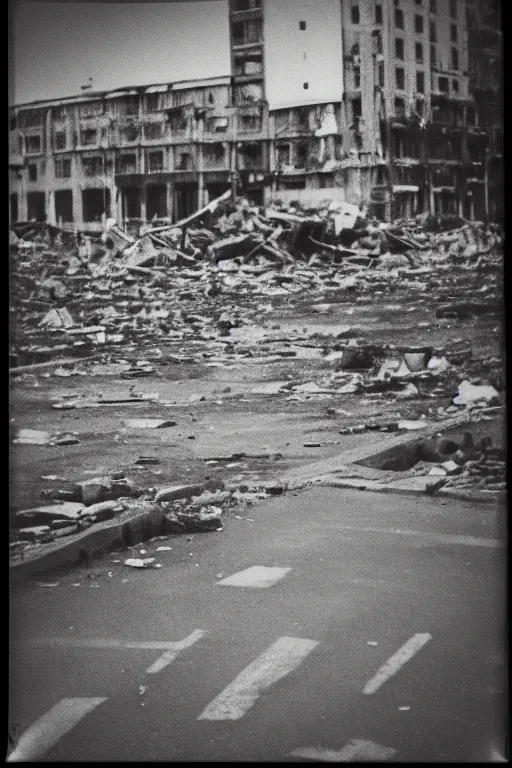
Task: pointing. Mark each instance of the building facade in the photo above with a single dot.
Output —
(392, 104)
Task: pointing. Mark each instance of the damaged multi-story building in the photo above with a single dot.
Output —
(390, 104)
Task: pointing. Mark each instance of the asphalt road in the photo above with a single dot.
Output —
(384, 640)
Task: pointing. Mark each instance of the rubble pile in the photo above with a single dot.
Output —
(191, 283)
(202, 292)
(464, 464)
(75, 507)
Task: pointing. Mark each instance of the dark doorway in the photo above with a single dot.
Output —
(14, 207)
(255, 196)
(64, 205)
(216, 189)
(186, 200)
(36, 206)
(131, 203)
(156, 201)
(95, 203)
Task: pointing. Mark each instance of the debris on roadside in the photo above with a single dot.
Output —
(137, 562)
(201, 294)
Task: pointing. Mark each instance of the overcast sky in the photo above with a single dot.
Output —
(56, 46)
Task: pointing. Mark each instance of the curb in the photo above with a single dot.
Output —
(130, 528)
(299, 476)
(323, 472)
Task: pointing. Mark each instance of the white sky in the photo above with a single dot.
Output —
(56, 46)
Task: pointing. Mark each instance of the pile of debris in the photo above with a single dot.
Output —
(72, 508)
(209, 274)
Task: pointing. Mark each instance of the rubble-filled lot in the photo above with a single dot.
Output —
(225, 351)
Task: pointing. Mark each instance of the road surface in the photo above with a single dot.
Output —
(329, 625)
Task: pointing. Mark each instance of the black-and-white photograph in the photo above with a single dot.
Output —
(257, 381)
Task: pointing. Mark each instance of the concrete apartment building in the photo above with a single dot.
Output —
(393, 104)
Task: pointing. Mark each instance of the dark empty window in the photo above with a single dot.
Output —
(155, 162)
(12, 123)
(184, 162)
(249, 122)
(88, 137)
(420, 106)
(433, 32)
(377, 41)
(455, 58)
(433, 56)
(378, 14)
(305, 86)
(418, 24)
(399, 19)
(453, 9)
(153, 102)
(354, 14)
(357, 78)
(60, 140)
(399, 48)
(381, 74)
(238, 30)
(356, 108)
(453, 33)
(62, 168)
(242, 5)
(419, 2)
(433, 8)
(32, 172)
(33, 144)
(128, 164)
(302, 25)
(399, 106)
(443, 84)
(244, 32)
(418, 49)
(455, 86)
(400, 78)
(420, 82)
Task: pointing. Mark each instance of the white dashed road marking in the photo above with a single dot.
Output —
(45, 732)
(356, 749)
(173, 650)
(107, 643)
(395, 662)
(275, 663)
(437, 538)
(255, 576)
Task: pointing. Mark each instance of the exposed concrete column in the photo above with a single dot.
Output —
(22, 199)
(51, 217)
(114, 200)
(200, 175)
(170, 200)
(143, 203)
(432, 205)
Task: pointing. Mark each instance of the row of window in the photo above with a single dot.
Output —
(355, 16)
(96, 166)
(152, 131)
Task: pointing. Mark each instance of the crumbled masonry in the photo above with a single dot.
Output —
(207, 289)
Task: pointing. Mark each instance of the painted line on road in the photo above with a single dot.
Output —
(173, 650)
(108, 643)
(255, 576)
(356, 749)
(395, 662)
(441, 538)
(48, 729)
(276, 662)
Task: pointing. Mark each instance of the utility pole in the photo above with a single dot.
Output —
(486, 185)
(234, 154)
